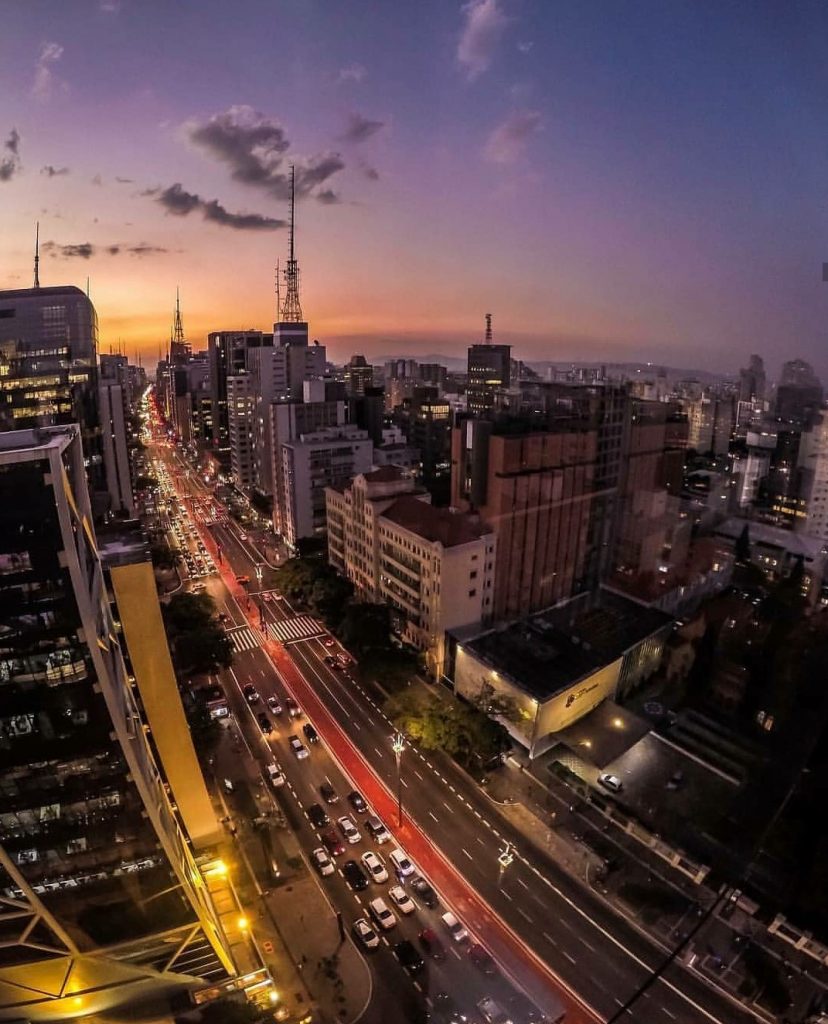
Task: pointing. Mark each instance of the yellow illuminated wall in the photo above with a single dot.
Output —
(146, 641)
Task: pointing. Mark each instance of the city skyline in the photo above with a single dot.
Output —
(621, 188)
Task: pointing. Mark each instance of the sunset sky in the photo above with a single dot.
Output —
(611, 180)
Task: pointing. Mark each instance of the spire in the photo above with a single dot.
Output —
(37, 256)
(178, 329)
(292, 309)
(488, 328)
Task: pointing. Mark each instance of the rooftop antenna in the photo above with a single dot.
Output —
(488, 328)
(278, 291)
(292, 309)
(178, 329)
(87, 287)
(37, 256)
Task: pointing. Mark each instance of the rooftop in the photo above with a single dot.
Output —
(385, 475)
(438, 525)
(810, 548)
(35, 293)
(550, 651)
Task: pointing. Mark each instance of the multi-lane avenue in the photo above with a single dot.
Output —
(540, 922)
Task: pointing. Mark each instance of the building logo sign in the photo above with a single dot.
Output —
(570, 700)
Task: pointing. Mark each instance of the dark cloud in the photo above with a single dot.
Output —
(113, 250)
(360, 128)
(327, 196)
(10, 156)
(97, 180)
(371, 173)
(177, 200)
(144, 249)
(255, 148)
(124, 181)
(81, 250)
(53, 172)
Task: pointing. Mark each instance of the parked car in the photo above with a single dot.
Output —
(382, 914)
(298, 747)
(410, 959)
(317, 816)
(432, 946)
(610, 782)
(375, 866)
(454, 927)
(311, 735)
(356, 800)
(322, 862)
(427, 895)
(401, 863)
(275, 775)
(354, 876)
(348, 829)
(365, 933)
(402, 901)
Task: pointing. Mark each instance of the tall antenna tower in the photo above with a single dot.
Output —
(488, 328)
(178, 328)
(292, 309)
(37, 256)
(278, 291)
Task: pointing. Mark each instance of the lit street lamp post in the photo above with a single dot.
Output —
(398, 746)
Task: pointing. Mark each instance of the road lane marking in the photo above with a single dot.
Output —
(378, 751)
(434, 816)
(549, 938)
(463, 848)
(521, 882)
(455, 952)
(418, 775)
(569, 956)
(523, 913)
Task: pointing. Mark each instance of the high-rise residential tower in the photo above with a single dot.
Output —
(489, 374)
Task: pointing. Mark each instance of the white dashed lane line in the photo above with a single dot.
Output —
(463, 848)
(569, 956)
(432, 816)
(418, 775)
(379, 752)
(521, 882)
(549, 938)
(523, 914)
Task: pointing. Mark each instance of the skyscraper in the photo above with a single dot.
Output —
(489, 374)
(100, 897)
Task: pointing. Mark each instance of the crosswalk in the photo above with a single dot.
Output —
(300, 627)
(245, 638)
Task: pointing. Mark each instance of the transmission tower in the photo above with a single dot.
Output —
(292, 309)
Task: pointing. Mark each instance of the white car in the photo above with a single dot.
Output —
(365, 933)
(611, 782)
(455, 928)
(349, 829)
(298, 747)
(382, 914)
(375, 866)
(322, 862)
(402, 901)
(275, 775)
(402, 864)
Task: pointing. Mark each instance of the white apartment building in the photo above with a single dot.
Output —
(433, 566)
(309, 463)
(813, 459)
(241, 404)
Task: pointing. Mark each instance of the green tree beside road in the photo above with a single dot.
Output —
(198, 642)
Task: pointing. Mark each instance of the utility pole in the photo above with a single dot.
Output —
(398, 746)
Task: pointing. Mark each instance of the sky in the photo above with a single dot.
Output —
(612, 181)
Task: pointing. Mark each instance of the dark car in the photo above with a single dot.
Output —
(332, 843)
(448, 1010)
(264, 723)
(428, 897)
(482, 960)
(311, 735)
(317, 816)
(431, 944)
(251, 693)
(356, 800)
(406, 953)
(293, 708)
(329, 794)
(354, 876)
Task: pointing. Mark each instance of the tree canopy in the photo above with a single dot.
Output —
(199, 644)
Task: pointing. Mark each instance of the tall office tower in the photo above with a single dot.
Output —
(114, 413)
(102, 901)
(368, 412)
(241, 408)
(433, 373)
(359, 375)
(799, 394)
(752, 381)
(228, 355)
(813, 468)
(48, 367)
(429, 430)
(534, 488)
(489, 374)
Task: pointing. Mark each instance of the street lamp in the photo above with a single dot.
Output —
(503, 861)
(398, 746)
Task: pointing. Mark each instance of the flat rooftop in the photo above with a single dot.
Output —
(552, 650)
(437, 525)
(810, 548)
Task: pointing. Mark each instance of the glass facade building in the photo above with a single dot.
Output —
(48, 366)
(100, 897)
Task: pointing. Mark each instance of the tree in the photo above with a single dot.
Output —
(366, 627)
(189, 611)
(164, 557)
(144, 482)
(495, 704)
(741, 549)
(203, 650)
